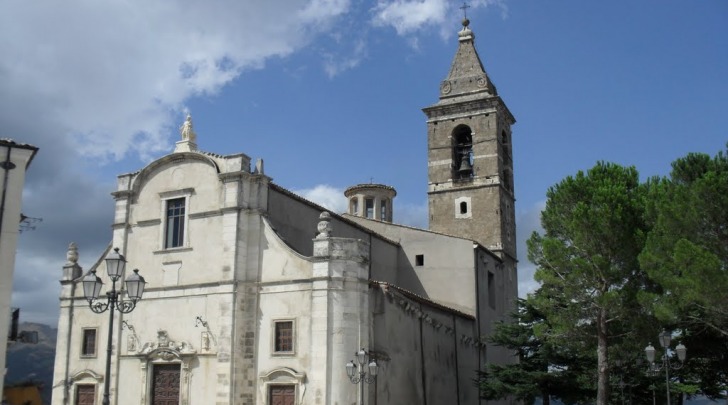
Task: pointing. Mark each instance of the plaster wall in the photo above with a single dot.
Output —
(447, 267)
(496, 301)
(424, 357)
(295, 222)
(15, 160)
(164, 267)
(171, 310)
(504, 292)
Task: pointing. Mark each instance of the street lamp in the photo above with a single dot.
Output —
(664, 338)
(115, 264)
(358, 374)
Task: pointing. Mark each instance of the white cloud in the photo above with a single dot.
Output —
(329, 197)
(113, 75)
(414, 215)
(321, 11)
(408, 16)
(335, 64)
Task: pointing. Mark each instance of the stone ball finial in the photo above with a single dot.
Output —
(466, 22)
(324, 226)
(72, 254)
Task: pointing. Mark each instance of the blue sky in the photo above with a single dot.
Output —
(329, 93)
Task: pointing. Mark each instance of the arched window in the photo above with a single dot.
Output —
(506, 146)
(462, 152)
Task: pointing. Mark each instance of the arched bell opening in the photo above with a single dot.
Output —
(462, 152)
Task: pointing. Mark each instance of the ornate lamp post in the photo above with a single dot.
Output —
(115, 264)
(665, 337)
(358, 374)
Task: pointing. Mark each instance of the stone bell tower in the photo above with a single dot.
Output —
(470, 163)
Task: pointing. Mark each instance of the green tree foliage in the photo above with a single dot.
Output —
(687, 249)
(543, 371)
(587, 261)
(686, 254)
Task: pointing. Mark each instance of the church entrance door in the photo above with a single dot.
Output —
(165, 384)
(85, 394)
(282, 395)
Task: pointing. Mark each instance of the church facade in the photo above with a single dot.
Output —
(255, 295)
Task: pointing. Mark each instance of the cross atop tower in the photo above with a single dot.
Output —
(465, 8)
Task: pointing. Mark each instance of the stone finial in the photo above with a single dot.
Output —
(186, 130)
(72, 254)
(259, 167)
(466, 34)
(324, 226)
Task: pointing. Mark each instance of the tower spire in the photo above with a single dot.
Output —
(470, 166)
(467, 75)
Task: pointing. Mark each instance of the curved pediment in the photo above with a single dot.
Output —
(283, 373)
(83, 374)
(169, 160)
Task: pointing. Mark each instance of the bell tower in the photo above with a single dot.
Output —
(470, 163)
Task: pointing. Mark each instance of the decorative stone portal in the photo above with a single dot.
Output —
(164, 364)
(282, 385)
(84, 386)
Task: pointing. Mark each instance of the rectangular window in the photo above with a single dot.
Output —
(283, 337)
(175, 227)
(383, 210)
(419, 260)
(88, 347)
(369, 205)
(491, 290)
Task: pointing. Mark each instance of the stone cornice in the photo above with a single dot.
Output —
(232, 176)
(122, 194)
(454, 108)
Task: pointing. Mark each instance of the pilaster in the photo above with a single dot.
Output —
(339, 311)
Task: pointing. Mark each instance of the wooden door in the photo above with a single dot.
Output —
(282, 395)
(165, 384)
(85, 394)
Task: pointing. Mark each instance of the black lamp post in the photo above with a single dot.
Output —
(115, 264)
(358, 374)
(665, 337)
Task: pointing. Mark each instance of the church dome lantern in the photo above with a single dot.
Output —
(372, 201)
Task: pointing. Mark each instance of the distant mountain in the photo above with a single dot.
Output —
(33, 362)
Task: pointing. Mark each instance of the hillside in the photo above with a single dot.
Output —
(33, 362)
